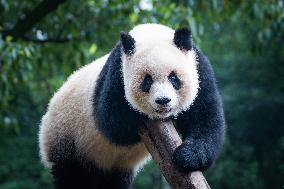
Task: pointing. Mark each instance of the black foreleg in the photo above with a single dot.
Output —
(203, 125)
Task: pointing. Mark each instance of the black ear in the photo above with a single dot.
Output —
(128, 43)
(183, 39)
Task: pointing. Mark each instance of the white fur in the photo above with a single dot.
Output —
(151, 34)
(156, 54)
(163, 89)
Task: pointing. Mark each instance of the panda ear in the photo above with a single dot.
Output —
(128, 43)
(183, 39)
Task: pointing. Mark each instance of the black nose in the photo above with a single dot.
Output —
(163, 100)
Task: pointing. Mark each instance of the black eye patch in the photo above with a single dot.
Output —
(175, 81)
(147, 83)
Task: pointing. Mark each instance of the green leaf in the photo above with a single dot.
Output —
(93, 48)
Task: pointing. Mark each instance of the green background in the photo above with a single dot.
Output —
(43, 42)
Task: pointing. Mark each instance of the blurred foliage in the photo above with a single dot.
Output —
(243, 40)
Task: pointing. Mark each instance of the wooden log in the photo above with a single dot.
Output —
(161, 139)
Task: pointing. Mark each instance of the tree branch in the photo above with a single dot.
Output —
(32, 18)
(161, 139)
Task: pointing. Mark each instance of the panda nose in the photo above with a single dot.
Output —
(163, 100)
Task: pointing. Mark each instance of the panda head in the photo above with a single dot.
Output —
(159, 70)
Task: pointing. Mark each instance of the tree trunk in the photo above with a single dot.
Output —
(161, 139)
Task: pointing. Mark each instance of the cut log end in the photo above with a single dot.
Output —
(161, 139)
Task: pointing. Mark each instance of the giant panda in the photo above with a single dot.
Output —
(89, 134)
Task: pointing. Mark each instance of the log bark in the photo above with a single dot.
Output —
(161, 139)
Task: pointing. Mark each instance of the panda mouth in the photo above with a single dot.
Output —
(163, 110)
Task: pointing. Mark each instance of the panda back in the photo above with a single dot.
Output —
(69, 112)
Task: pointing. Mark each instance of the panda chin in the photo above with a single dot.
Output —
(163, 110)
(161, 114)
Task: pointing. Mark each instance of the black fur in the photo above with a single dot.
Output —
(73, 175)
(115, 118)
(175, 81)
(73, 171)
(147, 83)
(128, 43)
(203, 125)
(63, 150)
(183, 39)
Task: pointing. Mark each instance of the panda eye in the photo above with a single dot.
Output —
(147, 83)
(175, 81)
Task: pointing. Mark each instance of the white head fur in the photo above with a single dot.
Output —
(156, 55)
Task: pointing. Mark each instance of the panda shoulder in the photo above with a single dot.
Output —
(80, 81)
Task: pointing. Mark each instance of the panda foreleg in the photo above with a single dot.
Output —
(203, 125)
(195, 154)
(203, 133)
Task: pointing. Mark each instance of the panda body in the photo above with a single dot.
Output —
(89, 134)
(70, 115)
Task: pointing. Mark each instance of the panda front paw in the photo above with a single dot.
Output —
(191, 158)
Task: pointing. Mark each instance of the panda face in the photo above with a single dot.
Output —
(160, 80)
